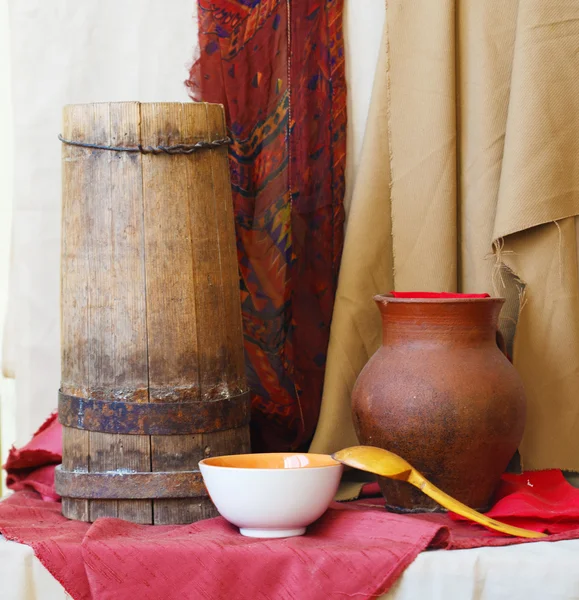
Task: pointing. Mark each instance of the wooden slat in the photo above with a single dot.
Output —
(225, 225)
(117, 321)
(76, 179)
(208, 271)
(112, 342)
(211, 275)
(171, 294)
(97, 202)
(75, 457)
(129, 345)
(236, 441)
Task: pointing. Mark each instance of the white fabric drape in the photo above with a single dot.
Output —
(6, 173)
(363, 25)
(64, 52)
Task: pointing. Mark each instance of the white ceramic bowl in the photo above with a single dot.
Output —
(271, 495)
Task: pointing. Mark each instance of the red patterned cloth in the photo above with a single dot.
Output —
(357, 549)
(278, 68)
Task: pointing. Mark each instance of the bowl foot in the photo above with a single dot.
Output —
(271, 533)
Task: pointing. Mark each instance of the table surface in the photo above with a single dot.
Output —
(537, 571)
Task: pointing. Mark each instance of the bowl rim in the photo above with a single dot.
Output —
(332, 463)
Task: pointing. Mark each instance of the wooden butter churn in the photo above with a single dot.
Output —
(152, 354)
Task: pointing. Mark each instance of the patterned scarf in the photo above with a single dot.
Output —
(278, 68)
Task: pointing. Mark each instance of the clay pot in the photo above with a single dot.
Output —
(441, 394)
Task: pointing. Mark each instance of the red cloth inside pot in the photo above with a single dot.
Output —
(436, 295)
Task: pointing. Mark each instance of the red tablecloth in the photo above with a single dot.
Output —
(354, 550)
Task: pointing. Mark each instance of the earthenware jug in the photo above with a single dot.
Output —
(441, 394)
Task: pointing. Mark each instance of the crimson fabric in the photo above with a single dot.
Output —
(459, 534)
(32, 466)
(436, 295)
(537, 500)
(357, 549)
(278, 69)
(347, 552)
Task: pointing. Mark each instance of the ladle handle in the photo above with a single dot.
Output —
(459, 508)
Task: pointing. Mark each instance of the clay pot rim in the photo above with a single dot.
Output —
(388, 298)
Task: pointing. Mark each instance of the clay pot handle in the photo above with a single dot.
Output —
(502, 344)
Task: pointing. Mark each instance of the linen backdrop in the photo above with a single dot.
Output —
(65, 52)
(469, 181)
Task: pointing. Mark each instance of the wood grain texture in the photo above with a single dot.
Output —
(74, 293)
(229, 274)
(171, 294)
(187, 347)
(150, 303)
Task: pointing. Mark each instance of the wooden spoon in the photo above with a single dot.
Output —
(387, 464)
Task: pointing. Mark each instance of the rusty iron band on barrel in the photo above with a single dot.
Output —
(153, 418)
(116, 485)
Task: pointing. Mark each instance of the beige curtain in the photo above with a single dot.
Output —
(469, 181)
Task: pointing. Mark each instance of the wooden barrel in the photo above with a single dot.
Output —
(153, 375)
